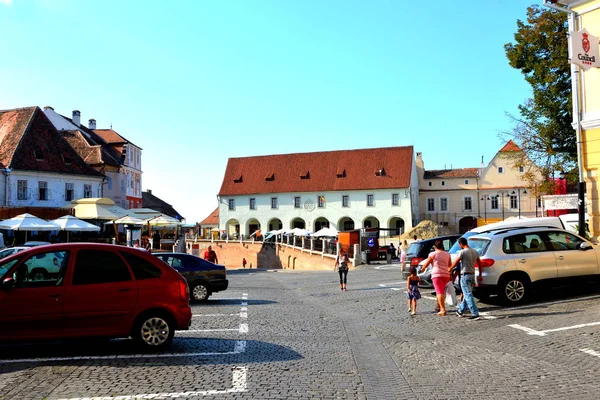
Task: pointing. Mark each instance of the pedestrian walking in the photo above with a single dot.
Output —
(440, 274)
(412, 290)
(210, 255)
(468, 258)
(341, 263)
(392, 250)
(403, 251)
(244, 262)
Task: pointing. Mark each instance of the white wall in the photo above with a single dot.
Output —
(56, 184)
(332, 211)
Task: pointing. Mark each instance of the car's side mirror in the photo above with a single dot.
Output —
(585, 246)
(8, 283)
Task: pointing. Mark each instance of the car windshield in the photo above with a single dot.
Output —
(479, 244)
(456, 247)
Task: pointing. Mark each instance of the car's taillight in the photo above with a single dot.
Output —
(415, 261)
(184, 290)
(486, 262)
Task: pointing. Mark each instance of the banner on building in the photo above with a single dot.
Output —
(585, 49)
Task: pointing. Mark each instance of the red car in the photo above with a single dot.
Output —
(86, 289)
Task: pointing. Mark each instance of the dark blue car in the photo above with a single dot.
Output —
(203, 277)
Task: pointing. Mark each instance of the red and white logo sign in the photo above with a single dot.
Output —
(585, 49)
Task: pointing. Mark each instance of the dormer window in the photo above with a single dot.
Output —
(341, 174)
(39, 155)
(270, 178)
(305, 176)
(67, 160)
(380, 172)
(500, 170)
(238, 180)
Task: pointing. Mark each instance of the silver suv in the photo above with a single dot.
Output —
(514, 259)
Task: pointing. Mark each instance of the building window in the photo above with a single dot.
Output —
(42, 190)
(69, 192)
(521, 168)
(109, 182)
(395, 199)
(514, 204)
(444, 204)
(443, 183)
(539, 202)
(87, 191)
(21, 190)
(321, 201)
(430, 205)
(274, 203)
(231, 204)
(500, 170)
(345, 201)
(253, 203)
(466, 181)
(468, 203)
(429, 183)
(297, 202)
(370, 200)
(494, 204)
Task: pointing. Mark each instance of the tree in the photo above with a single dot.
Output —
(543, 130)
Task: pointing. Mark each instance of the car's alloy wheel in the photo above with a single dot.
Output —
(155, 332)
(38, 275)
(514, 290)
(199, 292)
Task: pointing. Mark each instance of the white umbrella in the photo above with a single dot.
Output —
(162, 220)
(127, 220)
(70, 223)
(326, 232)
(27, 222)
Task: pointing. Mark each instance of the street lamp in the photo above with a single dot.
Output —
(501, 194)
(485, 198)
(519, 198)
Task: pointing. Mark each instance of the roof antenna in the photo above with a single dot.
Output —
(111, 125)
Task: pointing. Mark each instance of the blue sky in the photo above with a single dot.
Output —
(196, 82)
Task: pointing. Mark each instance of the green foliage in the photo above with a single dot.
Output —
(543, 130)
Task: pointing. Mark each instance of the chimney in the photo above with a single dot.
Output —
(92, 124)
(77, 117)
(48, 108)
(149, 191)
(419, 160)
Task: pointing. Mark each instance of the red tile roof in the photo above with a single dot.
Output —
(111, 136)
(212, 219)
(29, 141)
(452, 173)
(323, 171)
(509, 147)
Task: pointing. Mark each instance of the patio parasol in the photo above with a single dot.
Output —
(70, 223)
(27, 222)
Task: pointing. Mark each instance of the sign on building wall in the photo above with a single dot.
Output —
(585, 49)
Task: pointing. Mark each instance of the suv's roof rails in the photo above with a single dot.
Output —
(500, 231)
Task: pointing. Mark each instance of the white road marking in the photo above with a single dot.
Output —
(382, 285)
(238, 385)
(240, 347)
(486, 315)
(551, 303)
(215, 315)
(243, 328)
(544, 332)
(243, 315)
(208, 330)
(590, 352)
(395, 288)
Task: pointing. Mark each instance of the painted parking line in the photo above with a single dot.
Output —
(240, 347)
(238, 385)
(590, 352)
(217, 315)
(530, 331)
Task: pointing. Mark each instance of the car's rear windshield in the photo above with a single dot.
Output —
(479, 244)
(414, 248)
(456, 247)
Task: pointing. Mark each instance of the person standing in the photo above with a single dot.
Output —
(468, 258)
(392, 250)
(403, 251)
(244, 262)
(440, 274)
(210, 255)
(412, 290)
(341, 263)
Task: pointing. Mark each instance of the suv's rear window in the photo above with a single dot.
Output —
(414, 248)
(481, 245)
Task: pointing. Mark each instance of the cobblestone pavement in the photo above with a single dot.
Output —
(295, 335)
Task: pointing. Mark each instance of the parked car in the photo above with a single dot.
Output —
(96, 290)
(34, 243)
(9, 251)
(515, 260)
(203, 277)
(419, 250)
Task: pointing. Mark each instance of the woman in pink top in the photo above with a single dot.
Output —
(439, 273)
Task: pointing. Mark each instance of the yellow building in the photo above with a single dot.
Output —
(585, 14)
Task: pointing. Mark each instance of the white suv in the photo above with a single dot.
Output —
(514, 259)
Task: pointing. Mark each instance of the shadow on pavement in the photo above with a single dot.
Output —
(183, 351)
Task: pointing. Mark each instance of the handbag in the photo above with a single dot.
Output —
(450, 293)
